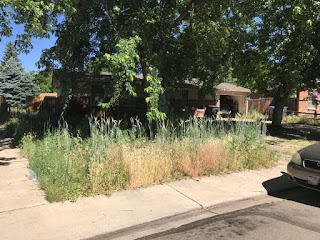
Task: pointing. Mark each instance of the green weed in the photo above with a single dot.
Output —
(114, 157)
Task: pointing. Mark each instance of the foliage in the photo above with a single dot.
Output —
(268, 45)
(9, 52)
(15, 84)
(123, 66)
(164, 29)
(44, 80)
(113, 158)
(301, 120)
(254, 114)
(154, 89)
(38, 18)
(280, 50)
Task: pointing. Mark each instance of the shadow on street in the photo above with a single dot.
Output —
(294, 193)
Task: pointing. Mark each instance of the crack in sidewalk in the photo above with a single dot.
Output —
(17, 209)
(202, 207)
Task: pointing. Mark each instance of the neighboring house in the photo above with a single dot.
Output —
(88, 94)
(305, 103)
(231, 98)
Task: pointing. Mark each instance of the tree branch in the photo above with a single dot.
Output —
(193, 4)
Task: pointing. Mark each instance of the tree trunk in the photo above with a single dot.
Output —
(279, 103)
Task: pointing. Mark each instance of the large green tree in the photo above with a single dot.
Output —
(268, 44)
(177, 40)
(281, 53)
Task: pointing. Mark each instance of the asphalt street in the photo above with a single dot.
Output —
(295, 217)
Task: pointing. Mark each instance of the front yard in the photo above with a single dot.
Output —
(115, 157)
(107, 155)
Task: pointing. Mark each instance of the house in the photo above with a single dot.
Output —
(89, 93)
(232, 99)
(305, 103)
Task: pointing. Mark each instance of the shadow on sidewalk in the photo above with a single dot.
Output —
(281, 187)
(5, 143)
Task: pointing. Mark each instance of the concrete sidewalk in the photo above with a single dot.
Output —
(25, 214)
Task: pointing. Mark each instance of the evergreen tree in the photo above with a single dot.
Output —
(10, 51)
(15, 84)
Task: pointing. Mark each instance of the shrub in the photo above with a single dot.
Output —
(255, 115)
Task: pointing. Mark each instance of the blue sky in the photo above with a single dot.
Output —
(28, 60)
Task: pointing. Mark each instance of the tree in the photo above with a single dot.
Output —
(281, 52)
(15, 84)
(9, 52)
(43, 79)
(37, 16)
(165, 30)
(270, 45)
(178, 39)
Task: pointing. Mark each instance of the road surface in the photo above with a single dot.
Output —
(294, 218)
(293, 214)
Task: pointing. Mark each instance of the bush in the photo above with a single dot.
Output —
(255, 115)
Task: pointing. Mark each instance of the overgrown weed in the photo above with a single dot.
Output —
(301, 120)
(113, 158)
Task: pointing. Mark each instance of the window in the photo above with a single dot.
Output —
(97, 95)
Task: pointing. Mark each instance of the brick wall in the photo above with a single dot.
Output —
(303, 106)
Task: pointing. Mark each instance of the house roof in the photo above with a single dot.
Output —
(228, 87)
(138, 76)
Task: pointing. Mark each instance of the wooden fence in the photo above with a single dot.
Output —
(3, 104)
(45, 102)
(260, 105)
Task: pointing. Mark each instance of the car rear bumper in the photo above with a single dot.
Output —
(300, 175)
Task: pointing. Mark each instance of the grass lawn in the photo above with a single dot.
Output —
(286, 141)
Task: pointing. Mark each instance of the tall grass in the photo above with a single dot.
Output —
(114, 157)
(254, 115)
(301, 120)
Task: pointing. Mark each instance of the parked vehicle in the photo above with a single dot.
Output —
(304, 167)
